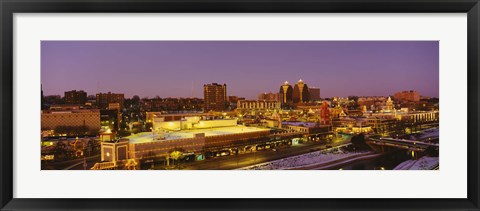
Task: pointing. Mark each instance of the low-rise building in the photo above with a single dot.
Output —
(71, 121)
(258, 104)
(269, 96)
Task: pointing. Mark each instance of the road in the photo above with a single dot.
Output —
(243, 160)
(72, 164)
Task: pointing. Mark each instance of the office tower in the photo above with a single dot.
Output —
(215, 97)
(300, 92)
(286, 91)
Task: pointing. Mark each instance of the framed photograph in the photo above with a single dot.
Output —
(224, 105)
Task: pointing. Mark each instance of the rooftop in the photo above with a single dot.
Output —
(303, 124)
(149, 136)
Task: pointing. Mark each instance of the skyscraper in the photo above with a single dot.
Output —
(286, 91)
(300, 92)
(215, 97)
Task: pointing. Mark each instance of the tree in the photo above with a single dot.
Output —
(432, 151)
(60, 151)
(148, 126)
(354, 98)
(135, 100)
(358, 141)
(175, 155)
(123, 133)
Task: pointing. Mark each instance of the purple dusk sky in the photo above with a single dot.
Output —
(168, 68)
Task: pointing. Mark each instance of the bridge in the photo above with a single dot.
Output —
(383, 144)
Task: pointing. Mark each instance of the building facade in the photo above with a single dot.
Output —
(75, 97)
(285, 93)
(258, 104)
(104, 99)
(314, 94)
(71, 120)
(269, 96)
(215, 97)
(411, 96)
(301, 92)
(110, 119)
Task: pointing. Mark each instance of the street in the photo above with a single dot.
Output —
(248, 159)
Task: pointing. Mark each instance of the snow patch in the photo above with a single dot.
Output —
(312, 158)
(424, 163)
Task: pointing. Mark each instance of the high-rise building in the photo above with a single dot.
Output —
(104, 99)
(269, 96)
(75, 97)
(285, 93)
(314, 94)
(412, 96)
(215, 97)
(300, 92)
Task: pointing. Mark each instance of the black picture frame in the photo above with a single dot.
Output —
(9, 7)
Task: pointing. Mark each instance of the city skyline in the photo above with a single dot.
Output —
(370, 68)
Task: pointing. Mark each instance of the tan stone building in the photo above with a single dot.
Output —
(71, 118)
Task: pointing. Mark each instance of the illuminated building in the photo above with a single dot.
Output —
(310, 129)
(151, 116)
(286, 92)
(406, 115)
(110, 119)
(77, 145)
(314, 94)
(64, 107)
(338, 111)
(274, 121)
(269, 96)
(381, 125)
(75, 97)
(235, 99)
(74, 120)
(173, 104)
(193, 122)
(202, 137)
(364, 109)
(215, 97)
(258, 104)
(232, 101)
(114, 106)
(300, 92)
(411, 96)
(389, 105)
(418, 116)
(325, 116)
(104, 99)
